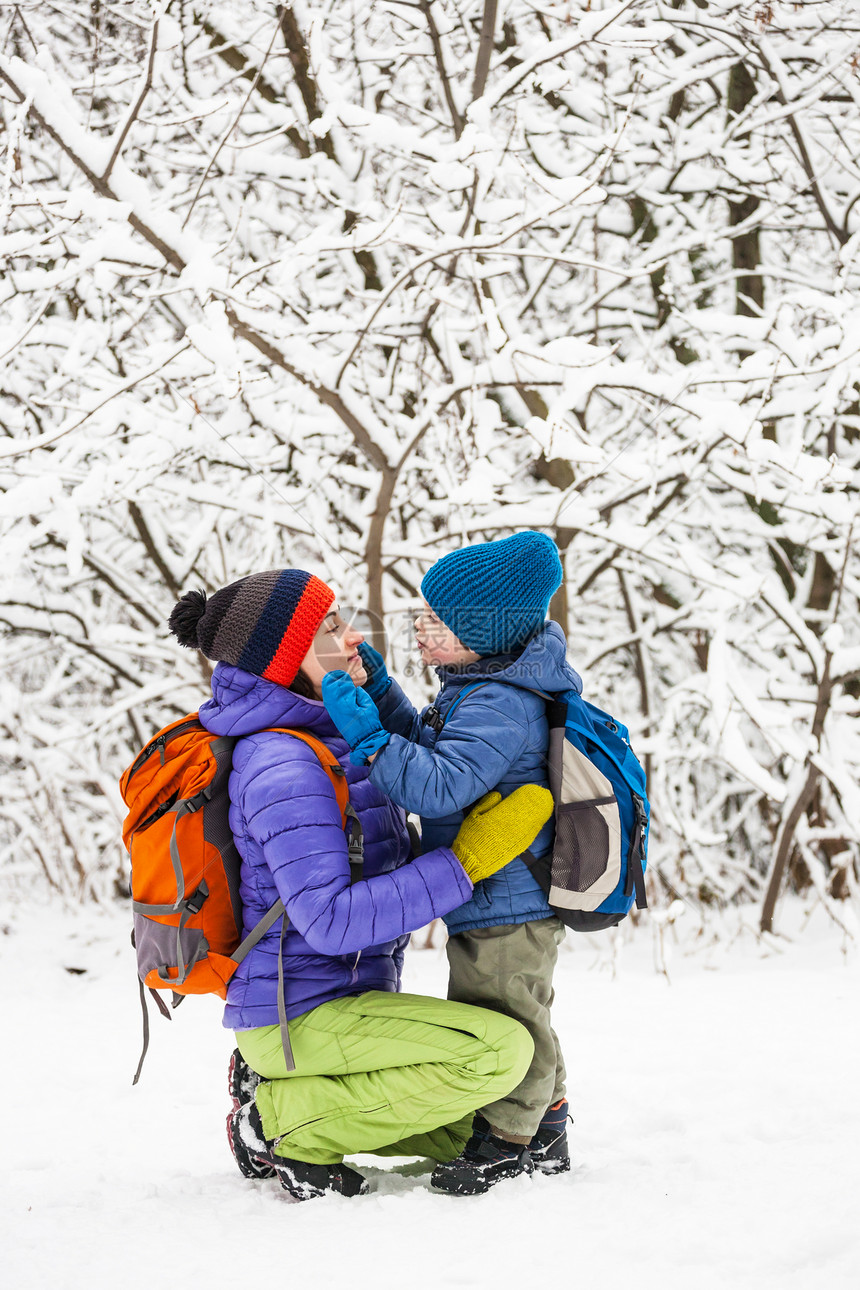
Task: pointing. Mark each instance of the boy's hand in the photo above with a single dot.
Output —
(496, 831)
(354, 713)
(378, 681)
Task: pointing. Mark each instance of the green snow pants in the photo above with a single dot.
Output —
(390, 1074)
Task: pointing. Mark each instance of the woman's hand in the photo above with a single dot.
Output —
(497, 830)
(354, 713)
(378, 681)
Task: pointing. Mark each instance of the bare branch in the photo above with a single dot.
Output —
(456, 117)
(231, 127)
(145, 87)
(774, 66)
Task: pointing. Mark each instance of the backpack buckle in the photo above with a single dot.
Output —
(355, 848)
(194, 902)
(355, 856)
(354, 844)
(433, 718)
(192, 804)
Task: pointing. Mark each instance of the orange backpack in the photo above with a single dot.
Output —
(185, 866)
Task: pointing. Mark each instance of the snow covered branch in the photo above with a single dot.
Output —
(344, 286)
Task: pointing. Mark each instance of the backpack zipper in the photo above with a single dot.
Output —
(158, 743)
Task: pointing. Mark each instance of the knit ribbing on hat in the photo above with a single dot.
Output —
(494, 595)
(265, 623)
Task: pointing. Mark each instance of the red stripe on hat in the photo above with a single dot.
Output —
(316, 600)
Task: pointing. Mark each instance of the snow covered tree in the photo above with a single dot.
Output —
(345, 285)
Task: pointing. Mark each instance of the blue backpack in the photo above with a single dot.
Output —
(596, 869)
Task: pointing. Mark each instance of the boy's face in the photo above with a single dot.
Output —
(334, 649)
(437, 644)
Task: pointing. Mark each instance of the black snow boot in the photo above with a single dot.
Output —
(251, 1165)
(548, 1148)
(485, 1160)
(242, 1082)
(301, 1180)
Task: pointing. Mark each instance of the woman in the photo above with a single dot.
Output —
(375, 1070)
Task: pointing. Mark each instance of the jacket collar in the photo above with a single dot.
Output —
(242, 704)
(540, 665)
(482, 669)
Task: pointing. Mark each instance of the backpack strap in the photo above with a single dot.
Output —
(286, 1046)
(162, 1008)
(636, 855)
(266, 922)
(258, 932)
(337, 775)
(543, 694)
(330, 764)
(433, 717)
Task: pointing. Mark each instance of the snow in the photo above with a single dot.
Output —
(716, 1137)
(414, 365)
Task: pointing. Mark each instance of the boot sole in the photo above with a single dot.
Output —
(475, 1187)
(249, 1166)
(558, 1166)
(302, 1189)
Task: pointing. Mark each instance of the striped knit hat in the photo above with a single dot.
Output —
(264, 623)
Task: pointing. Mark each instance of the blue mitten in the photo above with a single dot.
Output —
(354, 713)
(378, 681)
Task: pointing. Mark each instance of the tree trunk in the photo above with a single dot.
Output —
(746, 249)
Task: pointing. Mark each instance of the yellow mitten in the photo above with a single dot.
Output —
(496, 831)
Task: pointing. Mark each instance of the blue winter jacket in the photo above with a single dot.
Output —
(496, 738)
(342, 939)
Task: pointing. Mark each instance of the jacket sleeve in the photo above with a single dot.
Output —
(397, 714)
(484, 737)
(290, 811)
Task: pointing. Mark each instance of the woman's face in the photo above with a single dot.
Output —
(437, 644)
(334, 649)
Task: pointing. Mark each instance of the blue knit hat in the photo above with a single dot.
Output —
(493, 596)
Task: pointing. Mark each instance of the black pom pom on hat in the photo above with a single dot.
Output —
(185, 618)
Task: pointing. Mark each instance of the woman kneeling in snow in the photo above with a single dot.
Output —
(374, 1070)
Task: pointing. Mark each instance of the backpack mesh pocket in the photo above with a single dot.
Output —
(586, 861)
(581, 846)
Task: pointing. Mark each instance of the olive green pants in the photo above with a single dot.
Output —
(510, 969)
(390, 1074)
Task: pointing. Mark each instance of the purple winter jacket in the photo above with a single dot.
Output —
(342, 939)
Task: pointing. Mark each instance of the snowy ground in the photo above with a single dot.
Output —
(717, 1136)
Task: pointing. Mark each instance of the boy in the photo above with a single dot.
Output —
(483, 627)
